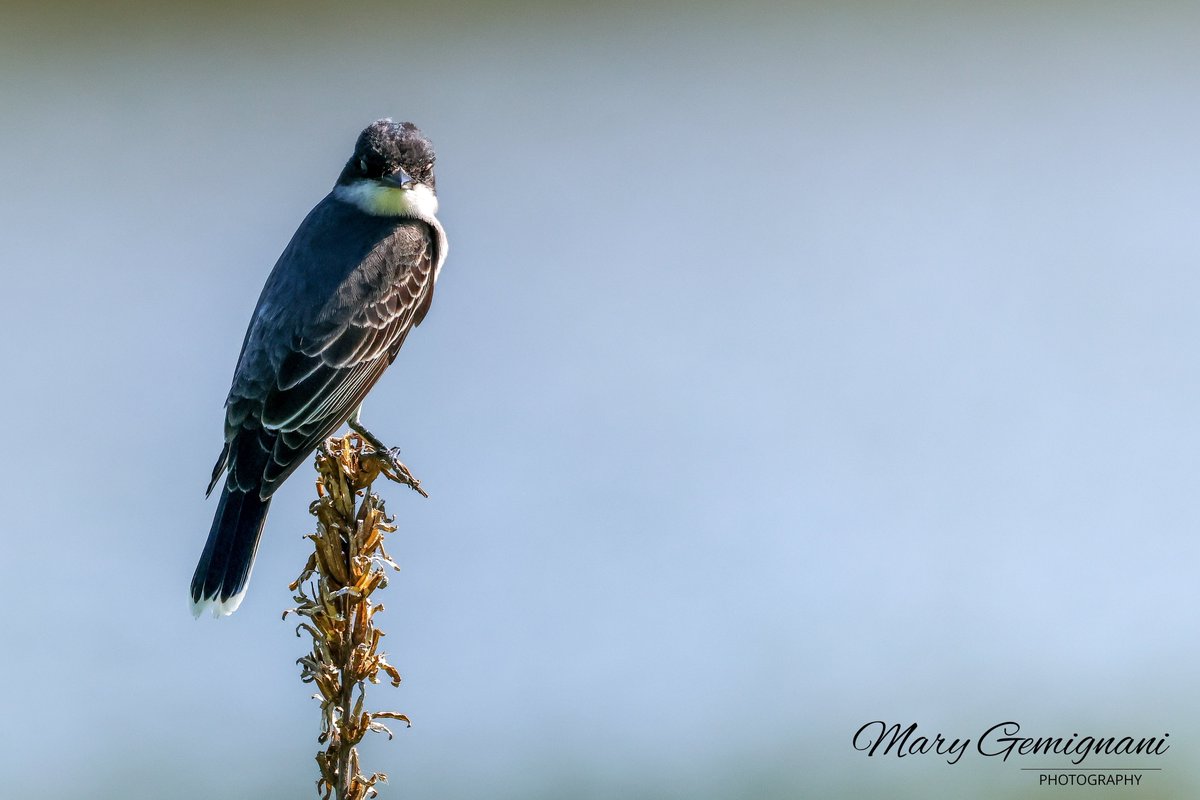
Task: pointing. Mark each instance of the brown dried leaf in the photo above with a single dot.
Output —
(392, 715)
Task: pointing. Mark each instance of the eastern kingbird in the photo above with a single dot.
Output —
(357, 276)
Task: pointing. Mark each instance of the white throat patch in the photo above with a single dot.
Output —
(372, 197)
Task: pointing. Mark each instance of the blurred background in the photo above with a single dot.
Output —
(794, 366)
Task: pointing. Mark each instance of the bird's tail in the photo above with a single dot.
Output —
(228, 557)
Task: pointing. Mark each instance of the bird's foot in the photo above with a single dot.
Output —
(380, 460)
(395, 470)
(388, 458)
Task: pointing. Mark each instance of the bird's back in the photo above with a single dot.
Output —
(331, 317)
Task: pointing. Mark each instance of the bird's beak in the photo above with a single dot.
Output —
(398, 179)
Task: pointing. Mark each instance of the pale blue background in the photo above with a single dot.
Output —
(794, 366)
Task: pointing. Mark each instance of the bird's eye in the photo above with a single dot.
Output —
(362, 165)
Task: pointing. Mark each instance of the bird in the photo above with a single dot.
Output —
(357, 276)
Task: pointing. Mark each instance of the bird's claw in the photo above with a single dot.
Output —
(395, 470)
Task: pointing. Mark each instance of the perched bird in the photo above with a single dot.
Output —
(356, 277)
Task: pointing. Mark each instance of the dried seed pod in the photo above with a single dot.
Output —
(333, 595)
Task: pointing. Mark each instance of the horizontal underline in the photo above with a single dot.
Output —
(1091, 769)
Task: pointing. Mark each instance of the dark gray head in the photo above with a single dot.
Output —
(393, 153)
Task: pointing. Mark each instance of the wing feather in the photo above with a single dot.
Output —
(306, 366)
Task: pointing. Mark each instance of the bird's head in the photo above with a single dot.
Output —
(391, 172)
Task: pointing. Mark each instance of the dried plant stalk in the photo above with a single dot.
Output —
(333, 593)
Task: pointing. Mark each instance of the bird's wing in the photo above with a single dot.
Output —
(307, 376)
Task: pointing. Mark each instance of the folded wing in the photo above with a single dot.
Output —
(310, 367)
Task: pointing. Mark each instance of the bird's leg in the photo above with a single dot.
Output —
(355, 423)
(394, 469)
